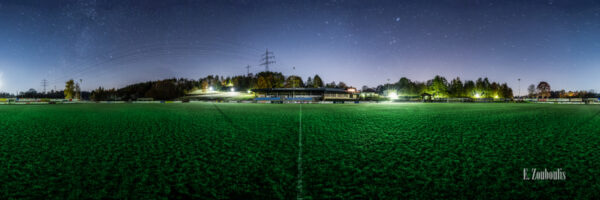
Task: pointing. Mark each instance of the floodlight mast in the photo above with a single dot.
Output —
(519, 87)
(80, 85)
(388, 85)
(388, 88)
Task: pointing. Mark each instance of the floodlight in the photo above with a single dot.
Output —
(210, 88)
(232, 89)
(392, 95)
(477, 96)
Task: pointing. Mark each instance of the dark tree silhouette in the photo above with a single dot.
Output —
(317, 82)
(531, 90)
(544, 88)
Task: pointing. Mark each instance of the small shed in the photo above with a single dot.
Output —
(426, 97)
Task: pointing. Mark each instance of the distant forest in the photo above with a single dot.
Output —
(169, 89)
(175, 88)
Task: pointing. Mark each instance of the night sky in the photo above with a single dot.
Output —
(114, 43)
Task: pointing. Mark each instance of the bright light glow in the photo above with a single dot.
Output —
(496, 96)
(477, 96)
(210, 88)
(232, 89)
(249, 91)
(392, 95)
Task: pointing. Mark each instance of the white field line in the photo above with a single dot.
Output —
(299, 195)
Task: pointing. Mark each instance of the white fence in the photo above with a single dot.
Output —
(450, 100)
(565, 100)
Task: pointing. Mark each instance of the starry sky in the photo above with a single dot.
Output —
(114, 43)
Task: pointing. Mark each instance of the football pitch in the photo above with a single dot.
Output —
(251, 151)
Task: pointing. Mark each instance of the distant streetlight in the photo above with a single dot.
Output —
(519, 87)
(392, 95)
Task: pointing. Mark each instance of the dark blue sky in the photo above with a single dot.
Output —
(114, 43)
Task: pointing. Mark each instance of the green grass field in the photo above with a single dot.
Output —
(246, 151)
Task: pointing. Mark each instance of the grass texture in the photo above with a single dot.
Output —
(249, 151)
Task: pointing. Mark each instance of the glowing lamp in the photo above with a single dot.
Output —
(393, 95)
(477, 96)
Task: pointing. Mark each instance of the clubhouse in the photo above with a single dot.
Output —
(305, 94)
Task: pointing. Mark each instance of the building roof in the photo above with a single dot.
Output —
(369, 90)
(323, 89)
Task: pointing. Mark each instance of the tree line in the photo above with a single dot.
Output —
(543, 90)
(34, 94)
(166, 89)
(174, 88)
(440, 87)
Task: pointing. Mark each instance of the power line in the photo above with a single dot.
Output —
(267, 59)
(44, 84)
